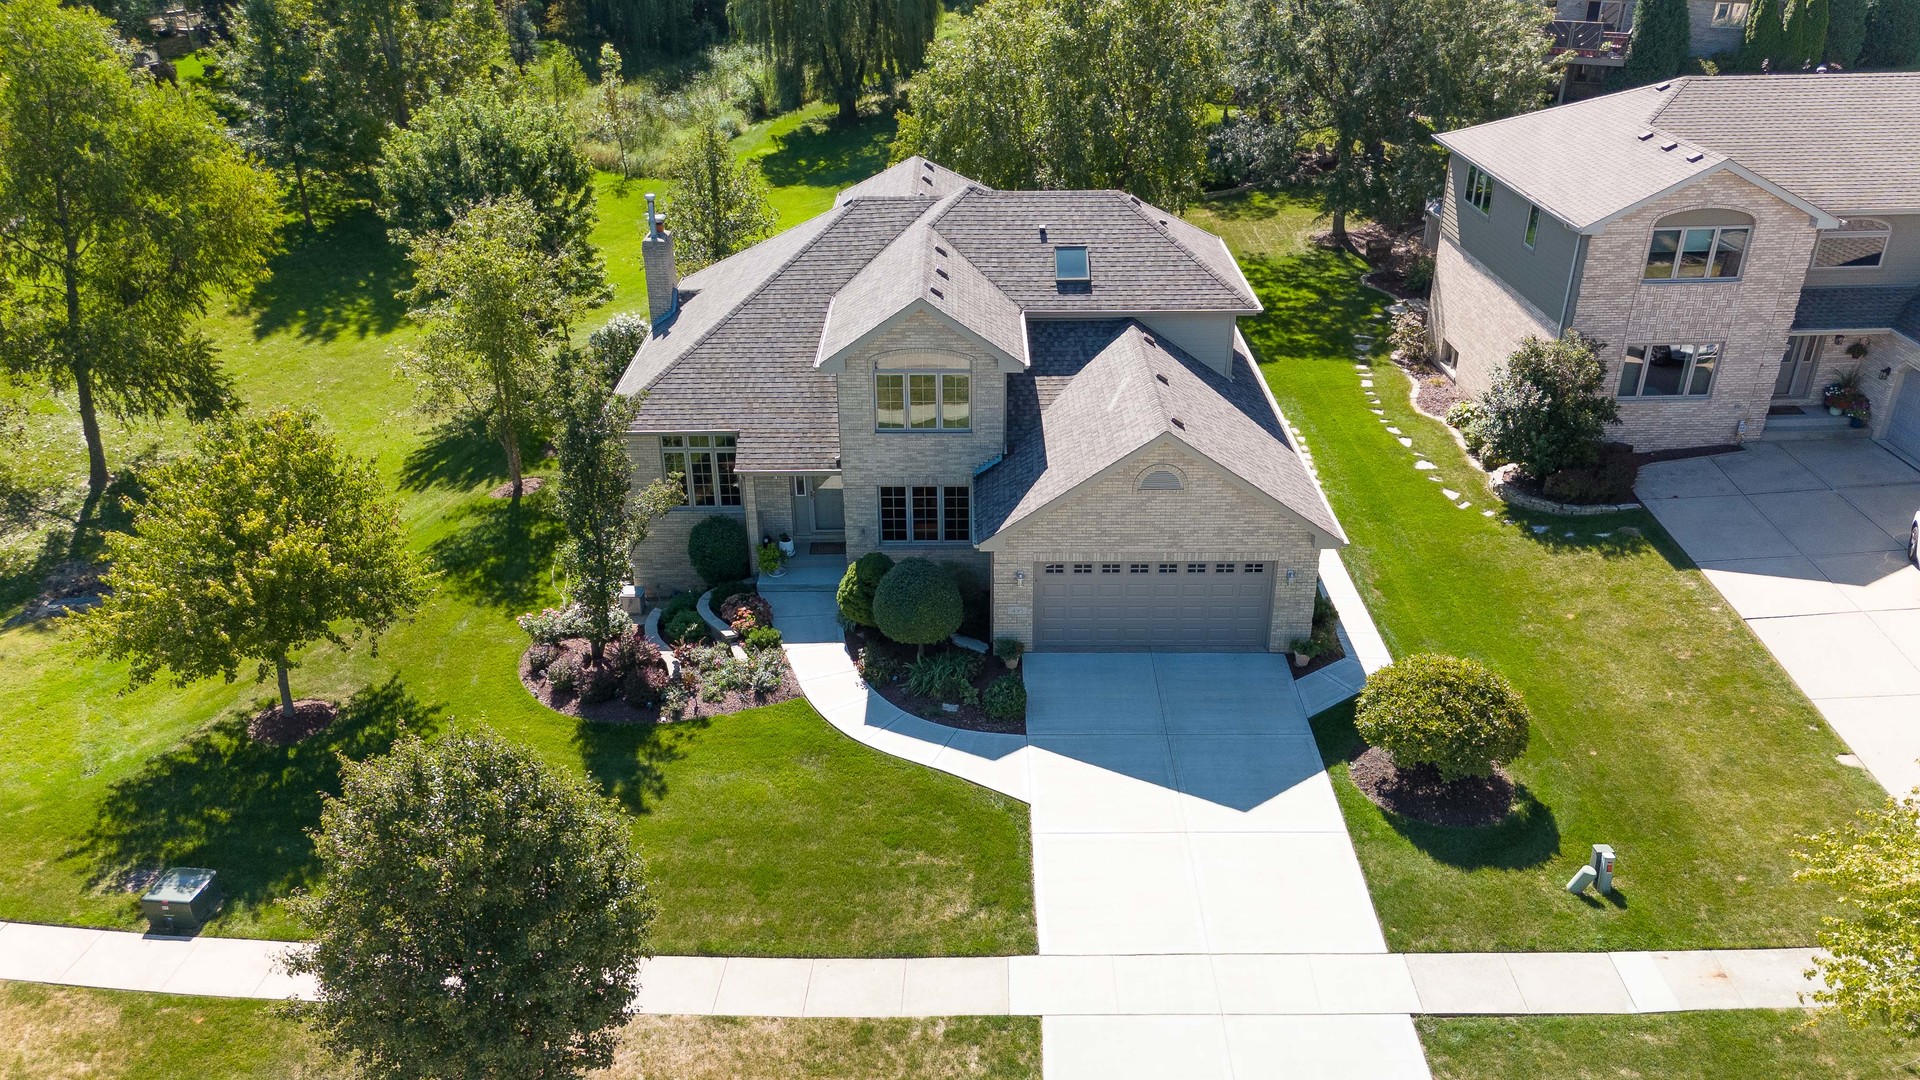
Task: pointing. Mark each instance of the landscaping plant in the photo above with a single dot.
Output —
(944, 676)
(769, 559)
(1006, 698)
(1545, 408)
(717, 547)
(1448, 712)
(763, 637)
(1008, 650)
(264, 540)
(1869, 966)
(858, 584)
(525, 967)
(917, 603)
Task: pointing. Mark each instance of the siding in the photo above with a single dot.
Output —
(1206, 338)
(1899, 266)
(1498, 240)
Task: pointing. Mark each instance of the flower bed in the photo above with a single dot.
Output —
(959, 676)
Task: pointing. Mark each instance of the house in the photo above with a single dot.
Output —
(1736, 243)
(1049, 387)
(1592, 37)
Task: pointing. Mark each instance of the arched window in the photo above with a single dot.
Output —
(1859, 244)
(1697, 245)
(1161, 478)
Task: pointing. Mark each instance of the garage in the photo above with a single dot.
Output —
(1161, 605)
(1903, 424)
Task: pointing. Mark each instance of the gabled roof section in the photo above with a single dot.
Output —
(916, 177)
(1101, 390)
(921, 270)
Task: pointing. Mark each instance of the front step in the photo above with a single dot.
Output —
(806, 573)
(1811, 426)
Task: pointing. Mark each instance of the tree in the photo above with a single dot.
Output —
(491, 301)
(1806, 31)
(483, 915)
(854, 597)
(487, 144)
(1846, 30)
(1893, 34)
(1371, 81)
(918, 603)
(604, 517)
(1545, 409)
(1766, 38)
(1451, 714)
(1870, 968)
(1085, 94)
(271, 72)
(612, 347)
(838, 45)
(393, 56)
(555, 76)
(1661, 42)
(719, 202)
(265, 540)
(124, 211)
(622, 113)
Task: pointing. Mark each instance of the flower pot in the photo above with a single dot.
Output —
(1855, 421)
(1833, 410)
(1301, 660)
(778, 571)
(787, 548)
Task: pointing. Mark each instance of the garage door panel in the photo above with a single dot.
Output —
(1903, 426)
(1194, 607)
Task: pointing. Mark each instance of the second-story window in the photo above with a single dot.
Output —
(1696, 254)
(1533, 224)
(1730, 14)
(704, 464)
(922, 401)
(1859, 246)
(1479, 190)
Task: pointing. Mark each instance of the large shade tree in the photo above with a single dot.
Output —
(1871, 966)
(125, 210)
(717, 201)
(271, 70)
(264, 540)
(390, 57)
(484, 916)
(1081, 94)
(839, 45)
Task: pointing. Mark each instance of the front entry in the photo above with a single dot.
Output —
(819, 505)
(829, 509)
(1797, 367)
(1160, 606)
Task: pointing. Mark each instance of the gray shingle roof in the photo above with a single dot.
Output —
(916, 176)
(921, 266)
(1857, 308)
(1099, 390)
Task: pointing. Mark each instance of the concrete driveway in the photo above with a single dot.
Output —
(1807, 541)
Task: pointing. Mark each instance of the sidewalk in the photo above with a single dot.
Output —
(1176, 985)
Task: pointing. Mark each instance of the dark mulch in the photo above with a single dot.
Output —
(1649, 457)
(1326, 659)
(969, 717)
(1435, 393)
(617, 711)
(528, 485)
(311, 716)
(1388, 273)
(1419, 793)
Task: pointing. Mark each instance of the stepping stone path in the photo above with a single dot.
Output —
(1423, 466)
(1406, 442)
(1486, 513)
(1464, 505)
(1450, 494)
(1539, 529)
(1393, 431)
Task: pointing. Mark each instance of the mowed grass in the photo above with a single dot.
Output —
(1661, 726)
(113, 1035)
(767, 833)
(1669, 1046)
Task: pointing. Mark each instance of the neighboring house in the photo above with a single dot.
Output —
(1592, 36)
(1047, 386)
(1730, 240)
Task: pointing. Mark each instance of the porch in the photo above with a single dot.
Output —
(810, 508)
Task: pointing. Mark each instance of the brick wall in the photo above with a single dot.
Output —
(1749, 316)
(1109, 519)
(1479, 315)
(660, 564)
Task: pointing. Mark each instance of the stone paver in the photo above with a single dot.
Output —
(1807, 541)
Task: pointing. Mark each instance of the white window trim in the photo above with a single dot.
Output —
(1478, 181)
(939, 401)
(1884, 234)
(1746, 255)
(1686, 377)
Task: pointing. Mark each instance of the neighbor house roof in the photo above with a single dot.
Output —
(1830, 144)
(1100, 390)
(740, 353)
(1859, 309)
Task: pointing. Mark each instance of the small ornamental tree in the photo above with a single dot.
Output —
(611, 348)
(1453, 714)
(1870, 968)
(266, 539)
(1545, 409)
(857, 586)
(484, 916)
(917, 603)
(717, 547)
(718, 201)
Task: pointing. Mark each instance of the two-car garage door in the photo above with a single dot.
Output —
(1160, 605)
(1903, 425)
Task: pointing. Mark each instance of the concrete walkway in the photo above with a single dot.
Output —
(1808, 542)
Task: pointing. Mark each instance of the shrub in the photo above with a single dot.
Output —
(629, 652)
(1409, 339)
(744, 613)
(1609, 480)
(1444, 711)
(875, 666)
(1545, 408)
(598, 683)
(727, 590)
(765, 671)
(642, 687)
(976, 602)
(539, 657)
(858, 584)
(717, 547)
(677, 604)
(563, 674)
(554, 625)
(674, 699)
(763, 637)
(1008, 649)
(684, 628)
(917, 603)
(1006, 698)
(944, 676)
(1419, 275)
(1463, 415)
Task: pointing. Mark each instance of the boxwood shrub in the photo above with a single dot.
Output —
(717, 547)
(857, 585)
(917, 603)
(1451, 713)
(1006, 698)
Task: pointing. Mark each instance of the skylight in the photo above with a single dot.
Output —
(1070, 264)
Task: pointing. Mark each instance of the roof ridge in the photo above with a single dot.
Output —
(1140, 207)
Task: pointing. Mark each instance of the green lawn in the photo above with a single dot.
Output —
(1661, 725)
(112, 1035)
(1672, 1046)
(767, 832)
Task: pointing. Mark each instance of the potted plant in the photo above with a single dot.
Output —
(1858, 350)
(1305, 649)
(1839, 395)
(1008, 650)
(786, 545)
(771, 564)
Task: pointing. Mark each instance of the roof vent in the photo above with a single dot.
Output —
(1669, 145)
(1070, 263)
(1177, 422)
(939, 250)
(1162, 378)
(942, 271)
(1644, 136)
(1161, 480)
(1043, 234)
(1695, 156)
(935, 290)
(1664, 86)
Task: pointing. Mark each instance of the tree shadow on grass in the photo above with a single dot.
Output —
(628, 761)
(239, 806)
(457, 454)
(1529, 837)
(1611, 536)
(499, 553)
(344, 278)
(824, 154)
(1314, 301)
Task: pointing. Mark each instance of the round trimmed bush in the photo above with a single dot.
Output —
(717, 547)
(684, 628)
(1451, 713)
(1006, 698)
(857, 586)
(917, 603)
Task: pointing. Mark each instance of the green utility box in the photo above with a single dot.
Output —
(182, 899)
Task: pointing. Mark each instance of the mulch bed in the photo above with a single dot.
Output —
(1418, 793)
(71, 586)
(311, 716)
(1326, 659)
(969, 718)
(528, 485)
(1434, 393)
(617, 711)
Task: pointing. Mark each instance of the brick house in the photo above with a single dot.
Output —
(1736, 243)
(1048, 387)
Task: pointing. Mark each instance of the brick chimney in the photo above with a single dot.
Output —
(663, 278)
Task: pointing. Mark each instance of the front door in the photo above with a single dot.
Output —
(829, 509)
(1796, 367)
